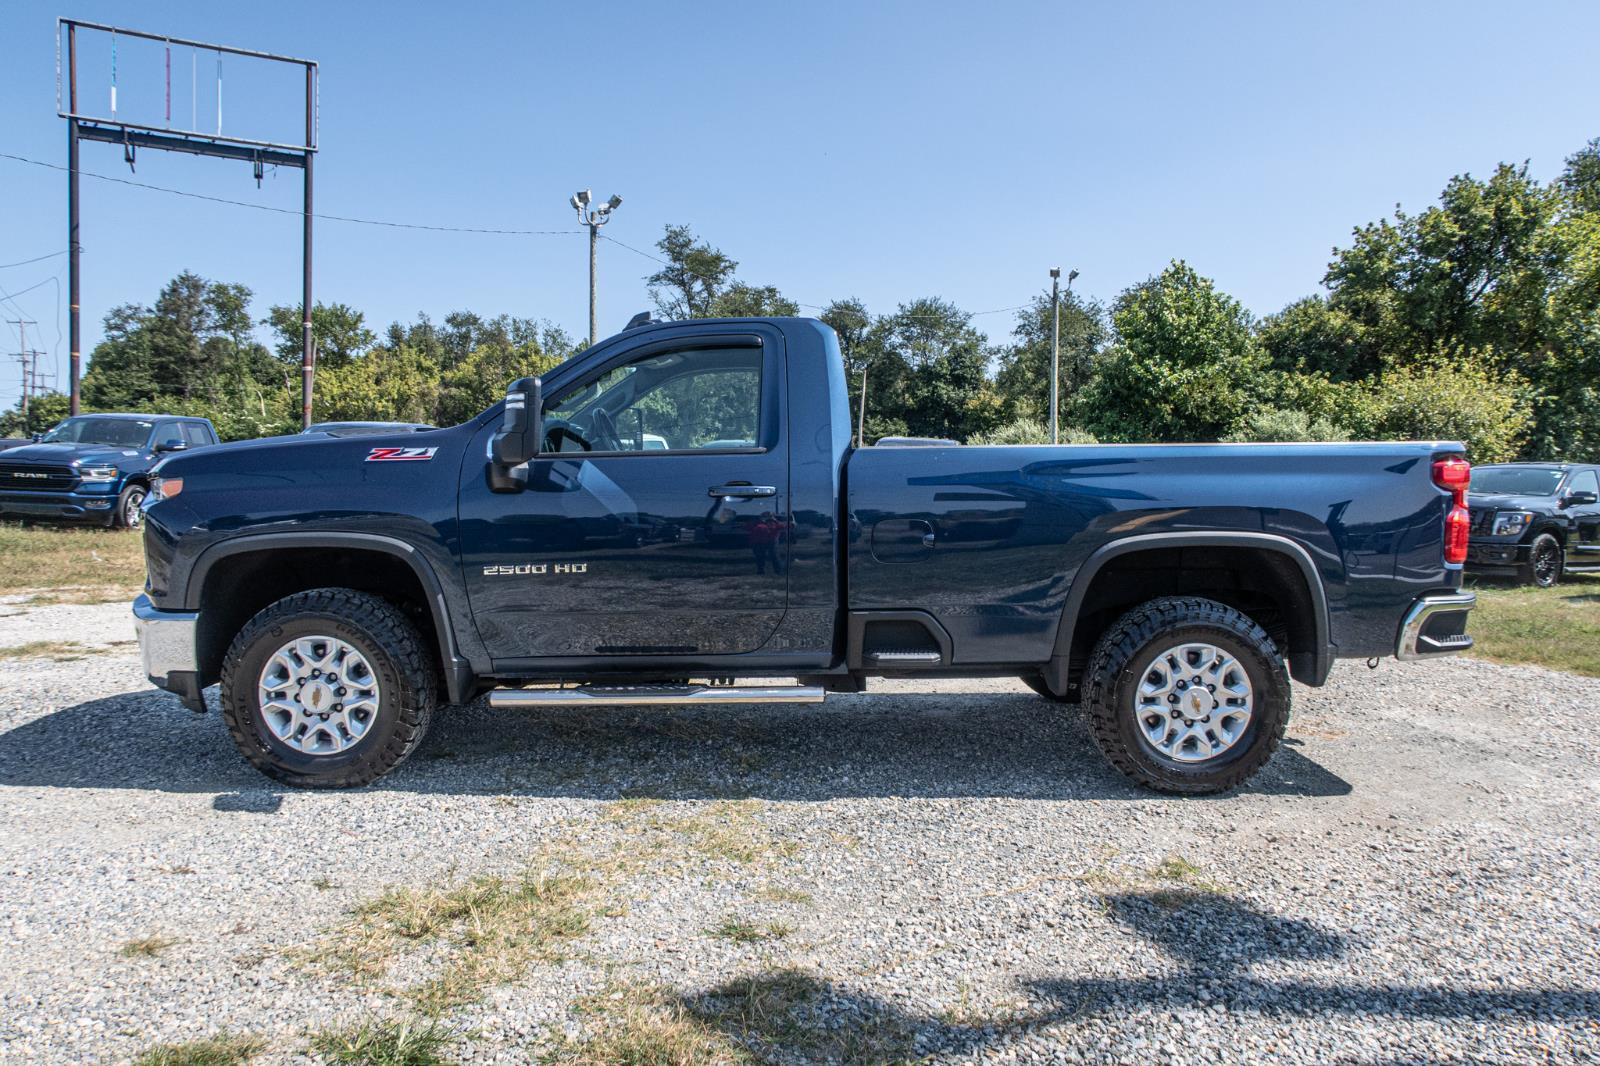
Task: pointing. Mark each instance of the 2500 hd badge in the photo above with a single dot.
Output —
(510, 569)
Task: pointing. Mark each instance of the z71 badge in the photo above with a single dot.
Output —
(400, 455)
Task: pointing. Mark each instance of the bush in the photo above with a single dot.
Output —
(1448, 396)
(1279, 424)
(1031, 431)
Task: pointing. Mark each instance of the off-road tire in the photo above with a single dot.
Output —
(390, 643)
(1532, 573)
(1109, 680)
(133, 494)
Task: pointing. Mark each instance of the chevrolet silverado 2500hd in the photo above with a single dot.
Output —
(680, 505)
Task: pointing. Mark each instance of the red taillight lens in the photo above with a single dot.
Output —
(1457, 524)
(1454, 475)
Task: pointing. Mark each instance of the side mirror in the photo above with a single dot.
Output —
(519, 436)
(171, 446)
(1578, 499)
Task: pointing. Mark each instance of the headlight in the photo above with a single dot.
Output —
(163, 488)
(97, 473)
(1510, 523)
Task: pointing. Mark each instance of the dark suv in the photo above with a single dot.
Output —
(1535, 521)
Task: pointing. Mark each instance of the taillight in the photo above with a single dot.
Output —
(1454, 475)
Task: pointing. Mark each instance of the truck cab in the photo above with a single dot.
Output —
(681, 505)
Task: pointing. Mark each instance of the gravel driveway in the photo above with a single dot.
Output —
(945, 871)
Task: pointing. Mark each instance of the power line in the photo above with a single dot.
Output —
(292, 211)
(35, 259)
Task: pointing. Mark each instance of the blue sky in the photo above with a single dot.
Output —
(886, 151)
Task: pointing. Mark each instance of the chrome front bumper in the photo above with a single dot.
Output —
(166, 640)
(1436, 625)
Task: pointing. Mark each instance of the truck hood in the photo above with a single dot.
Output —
(1501, 502)
(75, 454)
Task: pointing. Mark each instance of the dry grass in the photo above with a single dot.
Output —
(1557, 628)
(488, 930)
(768, 1017)
(67, 560)
(62, 651)
(220, 1049)
(485, 931)
(146, 947)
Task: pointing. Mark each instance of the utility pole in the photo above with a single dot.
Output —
(594, 218)
(1055, 353)
(1055, 349)
(29, 359)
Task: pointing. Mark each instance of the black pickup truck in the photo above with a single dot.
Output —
(1534, 521)
(680, 505)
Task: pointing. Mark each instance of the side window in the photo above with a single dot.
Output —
(687, 400)
(196, 435)
(1584, 481)
(167, 433)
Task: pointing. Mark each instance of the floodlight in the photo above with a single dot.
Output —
(614, 203)
(576, 206)
(584, 197)
(1072, 277)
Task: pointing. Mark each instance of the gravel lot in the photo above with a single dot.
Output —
(947, 873)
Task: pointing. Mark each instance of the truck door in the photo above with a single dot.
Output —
(1583, 545)
(656, 521)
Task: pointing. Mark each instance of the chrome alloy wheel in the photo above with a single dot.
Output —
(318, 695)
(1193, 702)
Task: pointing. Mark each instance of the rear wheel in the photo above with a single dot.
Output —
(329, 688)
(1186, 695)
(1544, 565)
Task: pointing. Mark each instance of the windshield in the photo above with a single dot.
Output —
(1515, 480)
(117, 432)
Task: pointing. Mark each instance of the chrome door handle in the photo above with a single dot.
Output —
(745, 491)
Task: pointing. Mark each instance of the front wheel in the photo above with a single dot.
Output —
(1186, 695)
(1544, 565)
(128, 513)
(329, 688)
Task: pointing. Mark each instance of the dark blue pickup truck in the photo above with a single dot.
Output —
(680, 505)
(94, 468)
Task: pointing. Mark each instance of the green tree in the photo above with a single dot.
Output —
(1031, 431)
(1185, 367)
(44, 411)
(1310, 336)
(1448, 395)
(929, 371)
(1024, 376)
(1281, 424)
(340, 333)
(694, 275)
(750, 301)
(1580, 181)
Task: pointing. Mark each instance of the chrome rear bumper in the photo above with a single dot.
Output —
(1436, 625)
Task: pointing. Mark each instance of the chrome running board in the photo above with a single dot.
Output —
(652, 695)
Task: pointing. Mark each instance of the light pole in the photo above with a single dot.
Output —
(594, 218)
(1055, 349)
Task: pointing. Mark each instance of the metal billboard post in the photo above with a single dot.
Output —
(131, 135)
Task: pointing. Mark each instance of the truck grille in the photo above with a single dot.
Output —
(1482, 520)
(37, 476)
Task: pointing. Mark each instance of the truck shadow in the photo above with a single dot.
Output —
(1214, 940)
(929, 745)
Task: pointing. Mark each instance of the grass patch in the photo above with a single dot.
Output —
(388, 1042)
(482, 932)
(769, 1017)
(1558, 628)
(219, 1049)
(146, 947)
(742, 932)
(71, 557)
(62, 651)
